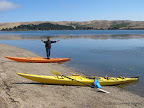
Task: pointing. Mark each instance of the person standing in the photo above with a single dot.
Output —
(48, 46)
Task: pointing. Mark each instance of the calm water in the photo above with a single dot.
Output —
(93, 52)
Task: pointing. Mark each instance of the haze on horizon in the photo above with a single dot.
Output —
(70, 10)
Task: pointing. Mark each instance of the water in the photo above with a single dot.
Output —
(70, 32)
(93, 52)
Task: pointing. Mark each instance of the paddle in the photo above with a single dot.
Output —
(58, 74)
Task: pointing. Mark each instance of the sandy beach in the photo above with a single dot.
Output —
(18, 92)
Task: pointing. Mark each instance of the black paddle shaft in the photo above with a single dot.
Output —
(79, 81)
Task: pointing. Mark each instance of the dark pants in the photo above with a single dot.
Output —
(48, 51)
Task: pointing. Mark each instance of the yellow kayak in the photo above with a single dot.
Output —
(61, 80)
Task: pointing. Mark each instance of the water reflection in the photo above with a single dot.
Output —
(103, 37)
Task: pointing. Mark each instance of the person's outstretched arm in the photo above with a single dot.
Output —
(42, 41)
(55, 41)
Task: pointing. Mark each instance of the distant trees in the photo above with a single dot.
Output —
(91, 25)
(72, 26)
(116, 26)
(45, 26)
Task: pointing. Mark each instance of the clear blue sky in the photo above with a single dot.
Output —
(70, 10)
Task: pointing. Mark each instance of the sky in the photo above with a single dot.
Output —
(70, 10)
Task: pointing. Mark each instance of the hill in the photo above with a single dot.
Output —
(71, 25)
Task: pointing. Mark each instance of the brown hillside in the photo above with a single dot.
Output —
(96, 24)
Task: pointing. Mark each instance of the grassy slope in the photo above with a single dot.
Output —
(96, 24)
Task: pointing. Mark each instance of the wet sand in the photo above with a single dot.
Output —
(18, 92)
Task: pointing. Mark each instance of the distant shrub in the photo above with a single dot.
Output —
(116, 26)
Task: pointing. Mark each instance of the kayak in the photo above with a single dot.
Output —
(38, 59)
(57, 79)
(116, 80)
(61, 80)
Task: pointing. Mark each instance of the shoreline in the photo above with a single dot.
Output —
(16, 91)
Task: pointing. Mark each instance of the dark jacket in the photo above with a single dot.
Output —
(48, 43)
